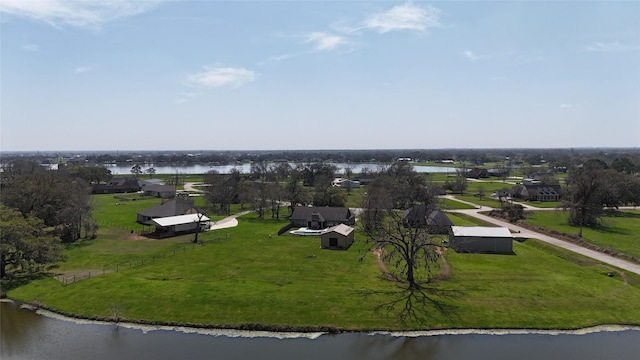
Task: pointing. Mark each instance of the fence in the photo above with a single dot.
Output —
(67, 279)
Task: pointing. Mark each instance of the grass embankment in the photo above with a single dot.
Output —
(619, 231)
(251, 277)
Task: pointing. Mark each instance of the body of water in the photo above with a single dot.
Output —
(27, 334)
(246, 168)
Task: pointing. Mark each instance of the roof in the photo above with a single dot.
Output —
(168, 208)
(481, 231)
(341, 229)
(328, 213)
(180, 219)
(421, 215)
(159, 188)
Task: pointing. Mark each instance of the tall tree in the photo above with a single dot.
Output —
(136, 170)
(590, 188)
(24, 244)
(151, 171)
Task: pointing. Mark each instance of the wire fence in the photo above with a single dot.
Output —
(67, 279)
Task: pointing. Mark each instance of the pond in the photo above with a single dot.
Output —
(27, 334)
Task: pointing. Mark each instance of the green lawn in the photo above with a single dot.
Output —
(620, 231)
(246, 276)
(448, 204)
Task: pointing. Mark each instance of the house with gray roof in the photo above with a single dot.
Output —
(173, 207)
(318, 217)
(422, 216)
(161, 191)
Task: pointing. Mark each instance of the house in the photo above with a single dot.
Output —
(421, 216)
(337, 237)
(349, 184)
(175, 225)
(148, 182)
(168, 208)
(364, 180)
(480, 239)
(477, 173)
(321, 217)
(539, 192)
(161, 191)
(116, 185)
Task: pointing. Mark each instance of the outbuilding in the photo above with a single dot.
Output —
(337, 237)
(481, 239)
(173, 225)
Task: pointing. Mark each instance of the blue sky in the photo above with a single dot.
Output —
(260, 75)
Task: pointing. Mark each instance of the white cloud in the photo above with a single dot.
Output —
(473, 57)
(59, 13)
(30, 47)
(277, 58)
(405, 17)
(611, 47)
(214, 77)
(184, 97)
(324, 41)
(565, 106)
(82, 69)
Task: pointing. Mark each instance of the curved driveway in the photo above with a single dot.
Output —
(526, 233)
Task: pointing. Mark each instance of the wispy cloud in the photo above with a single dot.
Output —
(184, 97)
(60, 13)
(407, 16)
(214, 77)
(277, 58)
(30, 47)
(82, 69)
(611, 47)
(324, 41)
(472, 56)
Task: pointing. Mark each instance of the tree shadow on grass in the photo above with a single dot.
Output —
(16, 279)
(415, 304)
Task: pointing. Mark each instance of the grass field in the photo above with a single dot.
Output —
(248, 276)
(619, 232)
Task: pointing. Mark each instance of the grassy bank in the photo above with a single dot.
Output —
(619, 231)
(246, 276)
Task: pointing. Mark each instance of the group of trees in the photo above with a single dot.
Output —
(594, 187)
(47, 207)
(271, 185)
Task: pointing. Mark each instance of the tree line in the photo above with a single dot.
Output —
(41, 209)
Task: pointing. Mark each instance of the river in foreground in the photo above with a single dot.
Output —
(27, 334)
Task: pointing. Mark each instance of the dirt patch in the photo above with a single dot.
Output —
(446, 273)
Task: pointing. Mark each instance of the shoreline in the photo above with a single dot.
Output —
(299, 332)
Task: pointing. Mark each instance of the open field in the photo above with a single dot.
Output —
(619, 232)
(249, 276)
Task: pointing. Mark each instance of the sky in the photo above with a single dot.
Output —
(310, 75)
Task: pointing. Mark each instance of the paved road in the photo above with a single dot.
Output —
(526, 233)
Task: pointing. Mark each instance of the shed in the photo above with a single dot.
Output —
(481, 239)
(181, 224)
(337, 237)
